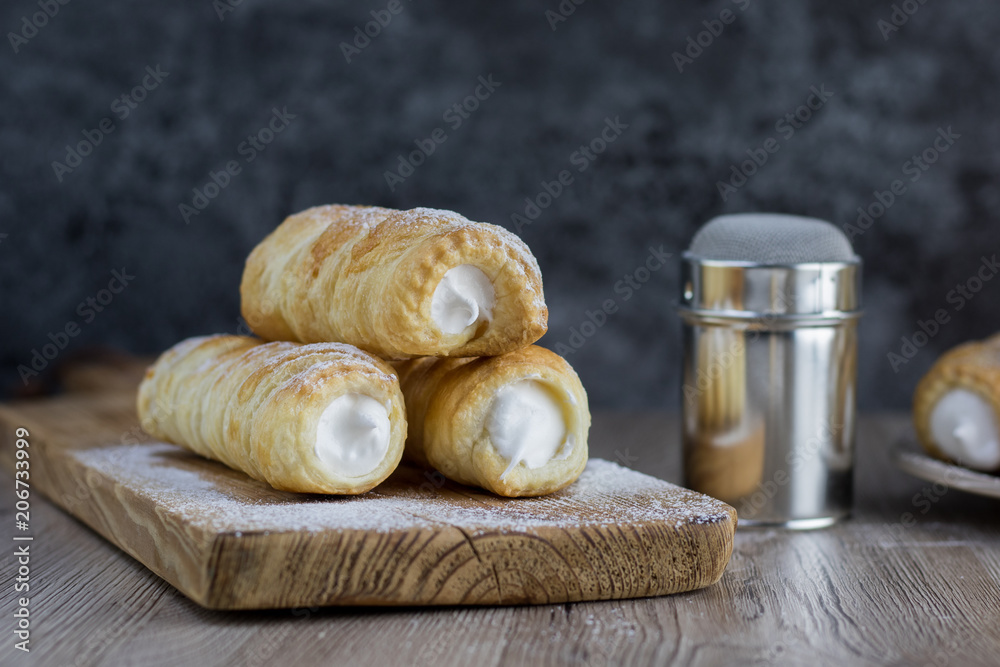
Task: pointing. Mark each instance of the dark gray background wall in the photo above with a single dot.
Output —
(652, 186)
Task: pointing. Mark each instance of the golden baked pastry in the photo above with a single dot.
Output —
(398, 284)
(956, 407)
(514, 424)
(319, 418)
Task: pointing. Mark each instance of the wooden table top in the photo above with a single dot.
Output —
(877, 589)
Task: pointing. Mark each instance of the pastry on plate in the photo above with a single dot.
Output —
(515, 424)
(399, 284)
(318, 418)
(956, 407)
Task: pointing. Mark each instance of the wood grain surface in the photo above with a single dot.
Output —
(912, 579)
(231, 542)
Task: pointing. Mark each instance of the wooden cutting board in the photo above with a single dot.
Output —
(231, 542)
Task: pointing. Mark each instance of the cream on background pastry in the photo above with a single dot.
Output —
(956, 407)
(514, 424)
(398, 284)
(319, 418)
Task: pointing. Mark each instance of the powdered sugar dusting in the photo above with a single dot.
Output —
(365, 217)
(208, 495)
(606, 494)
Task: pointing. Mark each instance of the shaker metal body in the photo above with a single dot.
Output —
(769, 385)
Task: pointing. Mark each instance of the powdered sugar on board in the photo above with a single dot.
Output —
(208, 495)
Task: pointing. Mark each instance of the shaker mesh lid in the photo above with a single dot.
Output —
(771, 238)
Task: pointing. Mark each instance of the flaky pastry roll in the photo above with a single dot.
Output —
(514, 424)
(398, 284)
(319, 418)
(956, 407)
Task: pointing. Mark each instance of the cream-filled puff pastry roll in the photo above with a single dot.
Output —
(956, 407)
(515, 424)
(398, 284)
(318, 418)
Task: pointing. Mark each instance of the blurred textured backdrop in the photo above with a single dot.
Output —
(690, 88)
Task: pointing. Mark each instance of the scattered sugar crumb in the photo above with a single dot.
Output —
(210, 496)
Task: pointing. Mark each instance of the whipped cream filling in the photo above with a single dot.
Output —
(526, 424)
(964, 427)
(464, 297)
(353, 434)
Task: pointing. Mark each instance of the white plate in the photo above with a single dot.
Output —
(911, 458)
